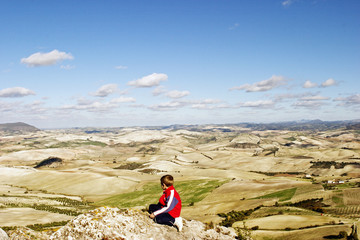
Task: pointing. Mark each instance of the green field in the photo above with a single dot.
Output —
(190, 192)
(282, 195)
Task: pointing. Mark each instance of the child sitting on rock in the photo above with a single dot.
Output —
(167, 211)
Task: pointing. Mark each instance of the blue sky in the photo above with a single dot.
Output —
(134, 63)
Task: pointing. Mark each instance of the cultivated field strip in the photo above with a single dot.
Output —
(316, 194)
(352, 196)
(348, 211)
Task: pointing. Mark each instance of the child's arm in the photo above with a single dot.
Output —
(170, 204)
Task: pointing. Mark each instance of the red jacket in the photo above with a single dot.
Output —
(171, 202)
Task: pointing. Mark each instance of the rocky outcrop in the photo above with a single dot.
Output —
(112, 223)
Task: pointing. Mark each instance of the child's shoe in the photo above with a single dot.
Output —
(178, 223)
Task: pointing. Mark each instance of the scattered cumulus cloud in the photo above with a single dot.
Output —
(265, 85)
(123, 100)
(159, 90)
(202, 106)
(89, 105)
(149, 80)
(314, 98)
(106, 90)
(309, 84)
(15, 92)
(67, 67)
(287, 3)
(8, 107)
(167, 106)
(302, 96)
(209, 104)
(258, 104)
(16, 109)
(328, 83)
(177, 94)
(309, 104)
(205, 104)
(353, 100)
(121, 67)
(314, 101)
(46, 59)
(210, 101)
(282, 97)
(36, 107)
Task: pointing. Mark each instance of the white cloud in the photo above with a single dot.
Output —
(15, 92)
(106, 90)
(19, 109)
(8, 107)
(177, 94)
(314, 101)
(167, 106)
(45, 59)
(309, 104)
(309, 84)
(282, 97)
(287, 3)
(352, 100)
(210, 101)
(265, 85)
(123, 100)
(301, 96)
(258, 104)
(328, 83)
(91, 106)
(98, 106)
(202, 106)
(209, 104)
(314, 98)
(35, 108)
(121, 67)
(67, 67)
(149, 80)
(159, 90)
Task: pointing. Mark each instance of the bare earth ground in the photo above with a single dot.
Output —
(26, 216)
(287, 221)
(308, 234)
(103, 164)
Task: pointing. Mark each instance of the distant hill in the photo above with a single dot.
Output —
(16, 128)
(303, 125)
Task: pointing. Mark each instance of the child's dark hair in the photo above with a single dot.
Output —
(168, 180)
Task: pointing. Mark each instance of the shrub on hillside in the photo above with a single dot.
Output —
(49, 161)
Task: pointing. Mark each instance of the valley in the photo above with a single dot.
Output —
(294, 181)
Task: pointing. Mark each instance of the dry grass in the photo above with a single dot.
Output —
(308, 234)
(352, 196)
(89, 162)
(282, 222)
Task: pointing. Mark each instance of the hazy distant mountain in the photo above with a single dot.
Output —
(302, 125)
(18, 127)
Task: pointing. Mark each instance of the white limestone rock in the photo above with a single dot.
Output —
(3, 235)
(112, 223)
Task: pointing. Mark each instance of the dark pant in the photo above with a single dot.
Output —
(163, 218)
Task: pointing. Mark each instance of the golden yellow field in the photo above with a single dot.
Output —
(271, 173)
